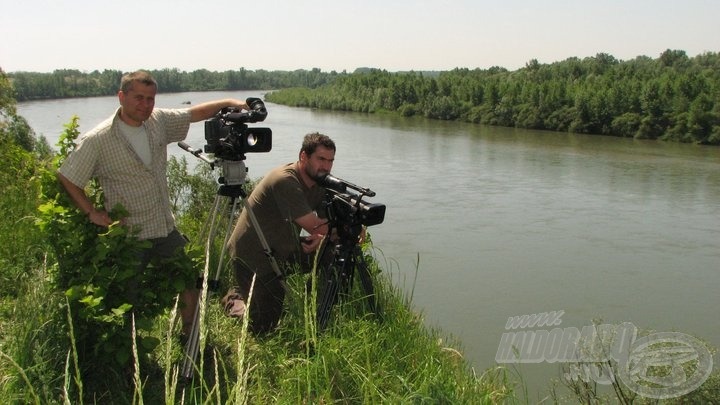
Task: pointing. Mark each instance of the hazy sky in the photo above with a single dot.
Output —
(339, 35)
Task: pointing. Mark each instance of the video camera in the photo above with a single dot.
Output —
(228, 136)
(349, 208)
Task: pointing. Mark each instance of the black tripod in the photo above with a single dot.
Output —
(347, 215)
(227, 201)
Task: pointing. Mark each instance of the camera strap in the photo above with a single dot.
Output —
(266, 247)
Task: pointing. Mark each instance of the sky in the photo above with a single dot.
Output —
(341, 35)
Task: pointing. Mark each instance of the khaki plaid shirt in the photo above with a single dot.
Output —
(105, 154)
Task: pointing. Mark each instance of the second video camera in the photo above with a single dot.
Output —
(348, 208)
(228, 136)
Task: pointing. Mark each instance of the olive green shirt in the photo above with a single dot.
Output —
(279, 199)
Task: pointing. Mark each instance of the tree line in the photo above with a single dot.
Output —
(68, 83)
(673, 97)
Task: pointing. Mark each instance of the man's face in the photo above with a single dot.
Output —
(137, 103)
(319, 163)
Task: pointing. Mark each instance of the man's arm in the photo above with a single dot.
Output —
(317, 228)
(208, 109)
(81, 200)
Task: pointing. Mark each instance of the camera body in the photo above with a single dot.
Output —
(347, 208)
(350, 209)
(228, 136)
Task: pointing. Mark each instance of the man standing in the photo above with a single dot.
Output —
(127, 153)
(285, 201)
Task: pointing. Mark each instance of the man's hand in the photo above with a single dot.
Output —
(99, 217)
(81, 200)
(316, 227)
(311, 243)
(208, 109)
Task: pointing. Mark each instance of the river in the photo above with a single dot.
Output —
(487, 223)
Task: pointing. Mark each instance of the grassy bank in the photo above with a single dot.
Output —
(358, 359)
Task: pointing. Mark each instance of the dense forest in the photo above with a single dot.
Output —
(673, 97)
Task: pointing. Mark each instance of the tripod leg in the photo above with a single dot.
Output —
(366, 281)
(333, 280)
(192, 346)
(327, 295)
(266, 246)
(337, 279)
(228, 231)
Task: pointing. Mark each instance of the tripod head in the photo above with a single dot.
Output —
(234, 172)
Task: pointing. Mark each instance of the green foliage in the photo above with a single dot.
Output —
(20, 168)
(14, 129)
(99, 271)
(28, 340)
(191, 193)
(23, 244)
(7, 97)
(673, 98)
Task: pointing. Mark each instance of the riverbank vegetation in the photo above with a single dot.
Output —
(672, 97)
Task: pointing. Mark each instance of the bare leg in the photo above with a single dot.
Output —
(189, 299)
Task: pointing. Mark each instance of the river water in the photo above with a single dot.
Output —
(487, 223)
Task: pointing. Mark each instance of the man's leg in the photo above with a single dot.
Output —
(188, 302)
(172, 247)
(268, 294)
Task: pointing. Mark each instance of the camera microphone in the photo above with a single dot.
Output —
(330, 181)
(340, 185)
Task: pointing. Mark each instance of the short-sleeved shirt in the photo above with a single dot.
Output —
(104, 153)
(277, 201)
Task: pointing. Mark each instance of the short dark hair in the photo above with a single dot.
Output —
(138, 76)
(315, 139)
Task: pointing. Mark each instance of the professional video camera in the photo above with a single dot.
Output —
(347, 213)
(348, 208)
(228, 136)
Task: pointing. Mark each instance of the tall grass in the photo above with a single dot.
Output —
(357, 359)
